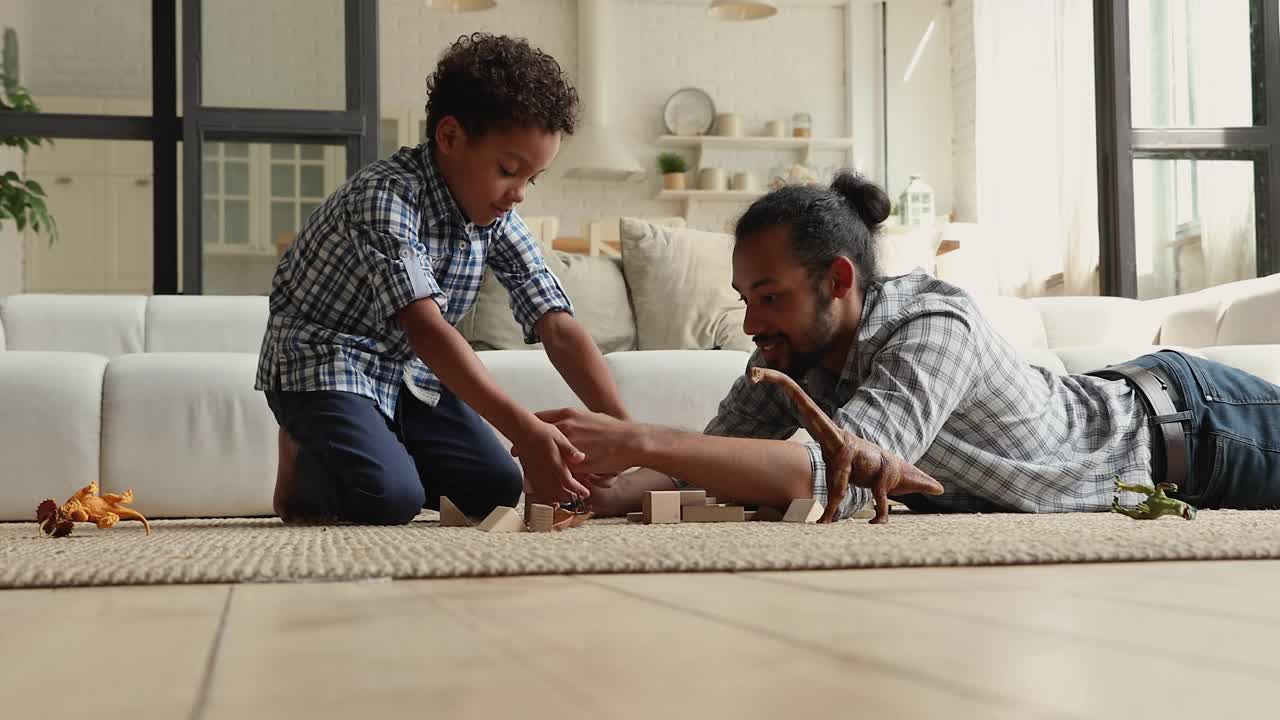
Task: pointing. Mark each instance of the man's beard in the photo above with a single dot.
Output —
(821, 337)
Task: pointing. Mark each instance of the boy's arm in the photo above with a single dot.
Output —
(580, 363)
(541, 446)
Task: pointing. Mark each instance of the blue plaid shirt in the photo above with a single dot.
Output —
(931, 381)
(392, 234)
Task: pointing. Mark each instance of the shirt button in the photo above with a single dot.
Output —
(404, 253)
(462, 246)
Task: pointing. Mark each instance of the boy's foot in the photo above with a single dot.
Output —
(287, 501)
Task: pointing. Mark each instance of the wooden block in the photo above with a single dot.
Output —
(712, 501)
(661, 506)
(714, 513)
(749, 515)
(767, 513)
(864, 512)
(693, 497)
(635, 517)
(451, 516)
(806, 510)
(503, 519)
(540, 517)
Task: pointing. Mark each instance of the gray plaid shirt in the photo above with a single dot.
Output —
(930, 380)
(390, 235)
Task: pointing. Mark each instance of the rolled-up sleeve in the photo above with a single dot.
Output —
(517, 263)
(384, 219)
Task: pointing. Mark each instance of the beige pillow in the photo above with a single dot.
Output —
(594, 285)
(680, 287)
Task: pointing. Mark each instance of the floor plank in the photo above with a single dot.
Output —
(144, 648)
(531, 647)
(1039, 652)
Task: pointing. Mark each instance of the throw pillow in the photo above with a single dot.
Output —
(594, 285)
(680, 287)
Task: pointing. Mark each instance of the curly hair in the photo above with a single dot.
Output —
(493, 82)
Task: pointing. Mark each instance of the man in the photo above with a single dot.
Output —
(910, 365)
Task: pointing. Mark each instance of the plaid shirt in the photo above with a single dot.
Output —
(930, 380)
(390, 235)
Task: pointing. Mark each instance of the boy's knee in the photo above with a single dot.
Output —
(490, 487)
(394, 505)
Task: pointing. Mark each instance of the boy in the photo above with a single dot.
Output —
(378, 397)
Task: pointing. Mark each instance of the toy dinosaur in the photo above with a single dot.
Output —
(846, 453)
(87, 506)
(1156, 504)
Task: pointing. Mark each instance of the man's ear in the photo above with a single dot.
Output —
(842, 276)
(449, 134)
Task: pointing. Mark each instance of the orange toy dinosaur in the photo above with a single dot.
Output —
(87, 506)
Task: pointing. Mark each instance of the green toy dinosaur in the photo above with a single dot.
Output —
(1156, 504)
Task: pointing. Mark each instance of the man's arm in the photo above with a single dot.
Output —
(580, 363)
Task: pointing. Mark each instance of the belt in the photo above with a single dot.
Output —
(1163, 400)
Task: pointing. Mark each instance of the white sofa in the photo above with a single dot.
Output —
(156, 393)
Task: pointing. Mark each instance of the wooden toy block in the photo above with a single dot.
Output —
(805, 510)
(661, 506)
(540, 517)
(693, 497)
(503, 519)
(635, 517)
(767, 513)
(749, 515)
(714, 513)
(451, 516)
(712, 501)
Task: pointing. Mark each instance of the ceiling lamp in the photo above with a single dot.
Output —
(742, 9)
(461, 6)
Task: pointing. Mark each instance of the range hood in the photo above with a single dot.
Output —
(594, 151)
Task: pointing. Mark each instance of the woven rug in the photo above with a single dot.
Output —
(264, 550)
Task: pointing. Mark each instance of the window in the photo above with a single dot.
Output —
(1188, 143)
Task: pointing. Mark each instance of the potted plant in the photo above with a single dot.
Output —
(21, 200)
(673, 168)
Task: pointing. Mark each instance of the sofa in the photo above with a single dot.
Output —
(156, 393)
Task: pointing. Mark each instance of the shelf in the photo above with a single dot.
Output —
(724, 195)
(710, 142)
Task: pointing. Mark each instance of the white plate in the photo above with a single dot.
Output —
(689, 111)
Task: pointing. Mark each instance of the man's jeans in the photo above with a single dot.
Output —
(1233, 435)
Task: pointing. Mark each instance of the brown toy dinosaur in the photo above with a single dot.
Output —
(87, 506)
(846, 453)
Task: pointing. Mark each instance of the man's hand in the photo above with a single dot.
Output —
(548, 459)
(609, 443)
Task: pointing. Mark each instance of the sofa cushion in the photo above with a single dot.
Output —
(234, 324)
(680, 282)
(1081, 359)
(189, 434)
(692, 384)
(596, 287)
(50, 422)
(104, 324)
(1261, 360)
(1251, 319)
(1070, 321)
(1015, 319)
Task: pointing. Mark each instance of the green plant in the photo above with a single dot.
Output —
(672, 163)
(21, 200)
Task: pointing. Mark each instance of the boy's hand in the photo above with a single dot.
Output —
(608, 442)
(548, 458)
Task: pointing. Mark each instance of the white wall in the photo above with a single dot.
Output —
(919, 106)
(964, 89)
(794, 61)
(17, 15)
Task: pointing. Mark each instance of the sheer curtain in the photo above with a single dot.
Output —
(1036, 147)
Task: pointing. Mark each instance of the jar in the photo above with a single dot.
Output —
(802, 125)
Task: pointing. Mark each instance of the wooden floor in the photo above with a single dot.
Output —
(1151, 640)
